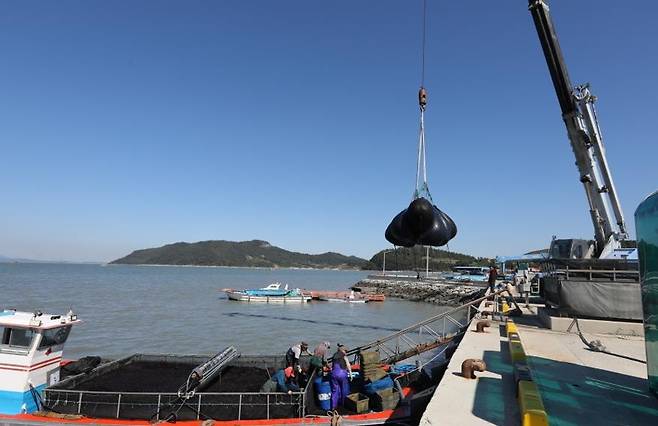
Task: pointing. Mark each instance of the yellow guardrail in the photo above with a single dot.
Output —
(511, 327)
(516, 351)
(531, 406)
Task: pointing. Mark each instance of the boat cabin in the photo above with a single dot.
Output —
(30, 353)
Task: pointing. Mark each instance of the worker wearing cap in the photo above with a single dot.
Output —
(284, 380)
(293, 354)
(341, 374)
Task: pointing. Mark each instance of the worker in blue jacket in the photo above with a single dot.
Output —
(284, 380)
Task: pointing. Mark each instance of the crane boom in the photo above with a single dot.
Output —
(579, 115)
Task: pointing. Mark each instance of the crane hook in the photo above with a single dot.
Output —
(422, 98)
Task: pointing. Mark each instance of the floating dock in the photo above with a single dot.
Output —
(324, 294)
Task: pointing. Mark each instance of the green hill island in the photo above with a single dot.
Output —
(258, 253)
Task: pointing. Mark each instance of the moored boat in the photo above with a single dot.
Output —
(273, 289)
(273, 293)
(242, 296)
(30, 353)
(139, 389)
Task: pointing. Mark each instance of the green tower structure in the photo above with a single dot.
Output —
(646, 224)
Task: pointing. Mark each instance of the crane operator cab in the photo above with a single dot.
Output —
(563, 249)
(30, 353)
(571, 249)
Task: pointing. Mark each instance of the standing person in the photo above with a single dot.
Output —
(319, 358)
(341, 373)
(321, 350)
(493, 275)
(293, 354)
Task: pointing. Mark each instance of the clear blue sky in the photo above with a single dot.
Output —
(132, 124)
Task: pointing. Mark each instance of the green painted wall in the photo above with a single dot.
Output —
(646, 225)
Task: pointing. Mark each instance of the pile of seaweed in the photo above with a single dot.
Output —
(165, 377)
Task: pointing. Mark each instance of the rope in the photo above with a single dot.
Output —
(172, 417)
(597, 346)
(336, 419)
(422, 72)
(40, 403)
(420, 164)
(421, 188)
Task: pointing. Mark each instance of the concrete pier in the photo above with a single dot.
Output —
(577, 385)
(489, 399)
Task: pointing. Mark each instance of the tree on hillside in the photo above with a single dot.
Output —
(415, 258)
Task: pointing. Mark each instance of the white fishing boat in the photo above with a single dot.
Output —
(273, 289)
(30, 356)
(270, 294)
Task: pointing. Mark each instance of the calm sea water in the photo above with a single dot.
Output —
(157, 309)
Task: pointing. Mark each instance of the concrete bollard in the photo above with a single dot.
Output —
(481, 325)
(470, 366)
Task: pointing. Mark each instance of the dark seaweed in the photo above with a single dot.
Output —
(148, 376)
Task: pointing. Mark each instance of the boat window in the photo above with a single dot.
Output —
(54, 336)
(16, 339)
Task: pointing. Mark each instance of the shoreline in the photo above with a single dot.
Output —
(294, 268)
(438, 292)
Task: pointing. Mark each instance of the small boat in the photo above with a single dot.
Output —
(273, 289)
(270, 294)
(30, 355)
(242, 296)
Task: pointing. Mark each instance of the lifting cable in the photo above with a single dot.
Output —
(422, 222)
(421, 166)
(422, 72)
